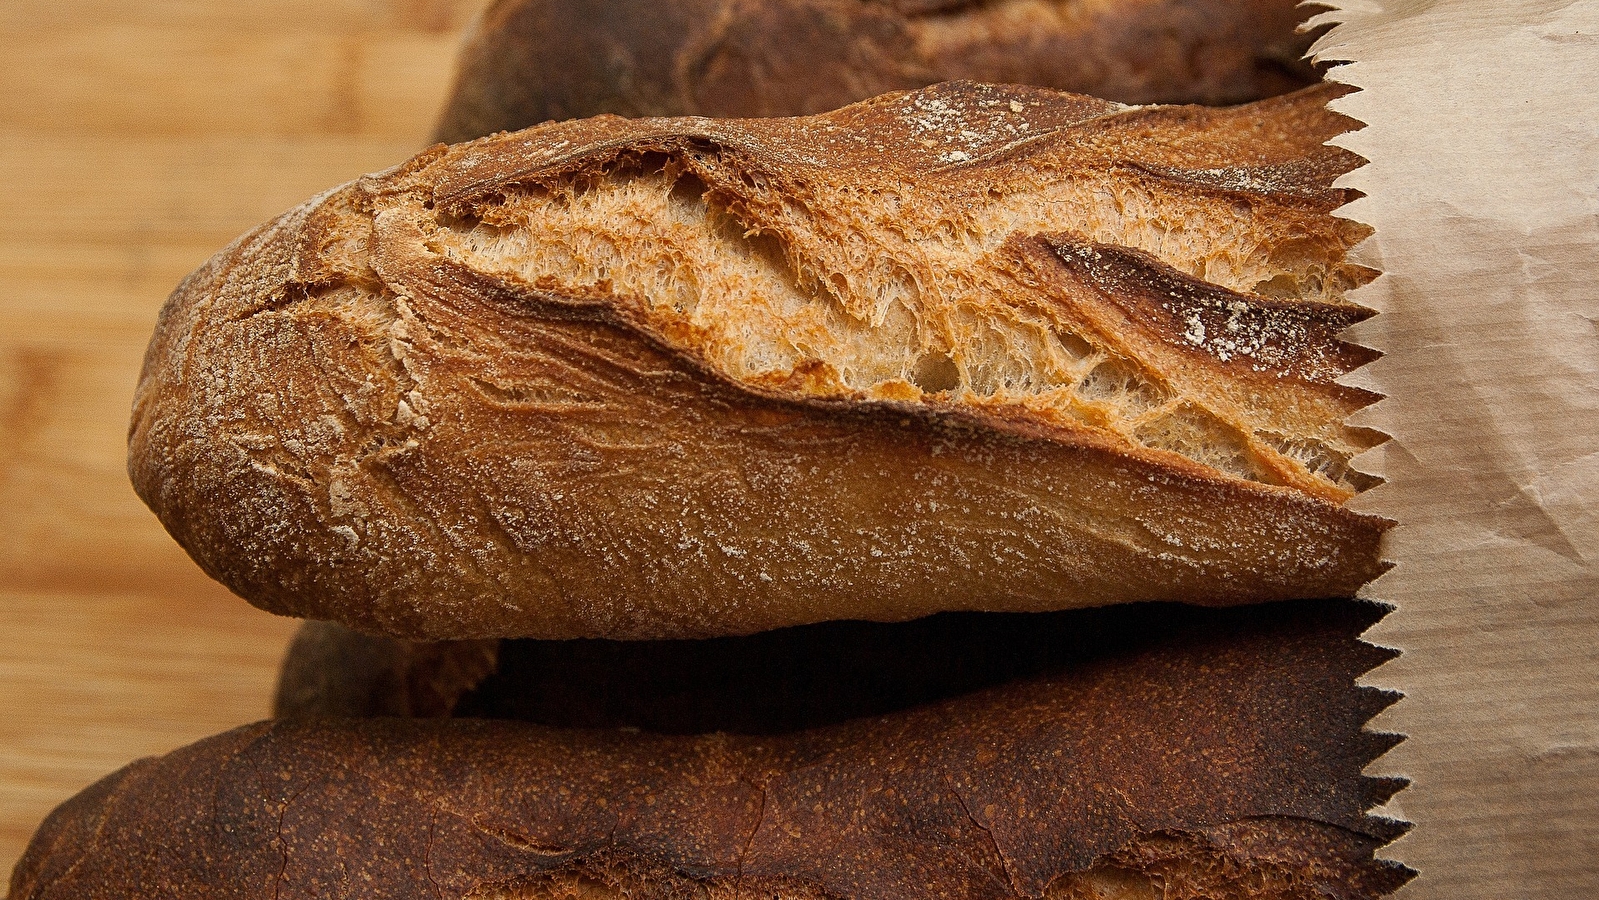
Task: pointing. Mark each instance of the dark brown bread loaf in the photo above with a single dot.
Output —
(971, 347)
(1220, 759)
(528, 61)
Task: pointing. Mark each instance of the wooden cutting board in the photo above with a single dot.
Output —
(135, 140)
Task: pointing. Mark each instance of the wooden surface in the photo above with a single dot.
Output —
(135, 140)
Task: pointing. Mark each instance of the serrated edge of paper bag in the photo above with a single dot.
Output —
(1482, 184)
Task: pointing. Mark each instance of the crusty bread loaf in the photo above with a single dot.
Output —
(529, 61)
(971, 347)
(1218, 760)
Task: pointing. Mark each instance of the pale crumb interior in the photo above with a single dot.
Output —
(901, 302)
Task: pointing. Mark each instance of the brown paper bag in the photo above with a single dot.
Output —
(1483, 185)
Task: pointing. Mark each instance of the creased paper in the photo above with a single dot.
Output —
(1482, 131)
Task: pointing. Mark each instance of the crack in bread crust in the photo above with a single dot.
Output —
(901, 287)
(688, 377)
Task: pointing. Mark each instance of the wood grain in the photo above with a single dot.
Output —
(135, 140)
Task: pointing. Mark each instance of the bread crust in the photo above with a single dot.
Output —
(365, 412)
(1211, 761)
(530, 61)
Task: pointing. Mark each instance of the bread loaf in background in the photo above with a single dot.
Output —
(1210, 753)
(529, 61)
(971, 347)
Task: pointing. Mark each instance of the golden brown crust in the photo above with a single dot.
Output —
(401, 406)
(530, 61)
(1221, 761)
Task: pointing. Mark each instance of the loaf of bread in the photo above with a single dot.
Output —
(971, 347)
(1220, 759)
(529, 61)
